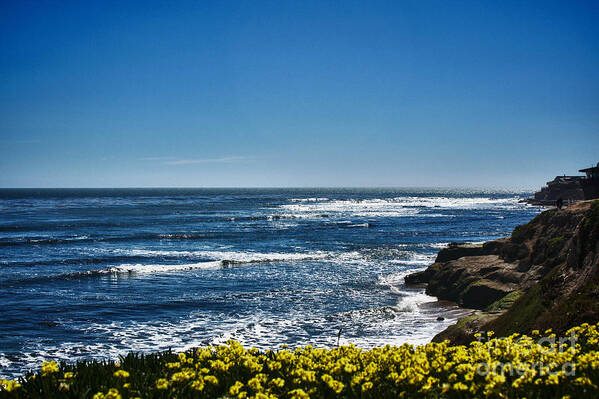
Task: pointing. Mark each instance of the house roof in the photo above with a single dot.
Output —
(591, 169)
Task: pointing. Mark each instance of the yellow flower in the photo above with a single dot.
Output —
(219, 365)
(198, 385)
(182, 376)
(121, 374)
(162, 384)
(299, 394)
(235, 388)
(9, 385)
(350, 368)
(335, 385)
(552, 380)
(49, 367)
(514, 366)
(113, 393)
(279, 382)
(211, 379)
(460, 386)
(254, 383)
(274, 365)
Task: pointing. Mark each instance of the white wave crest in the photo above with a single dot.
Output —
(313, 199)
(394, 207)
(221, 258)
(141, 268)
(413, 303)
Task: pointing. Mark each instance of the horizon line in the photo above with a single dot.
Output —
(274, 187)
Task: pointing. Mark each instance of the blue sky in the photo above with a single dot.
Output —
(297, 93)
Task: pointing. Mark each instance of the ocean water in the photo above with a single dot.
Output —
(94, 273)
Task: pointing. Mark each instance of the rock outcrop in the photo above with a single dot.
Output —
(546, 275)
(476, 275)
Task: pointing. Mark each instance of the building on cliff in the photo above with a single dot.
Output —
(568, 188)
(590, 183)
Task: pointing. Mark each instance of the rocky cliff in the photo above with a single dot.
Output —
(546, 275)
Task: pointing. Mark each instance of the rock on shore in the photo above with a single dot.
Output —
(546, 275)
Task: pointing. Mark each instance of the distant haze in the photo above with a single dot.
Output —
(304, 93)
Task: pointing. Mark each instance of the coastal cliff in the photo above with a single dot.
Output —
(546, 275)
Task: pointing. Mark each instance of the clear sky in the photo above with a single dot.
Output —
(297, 93)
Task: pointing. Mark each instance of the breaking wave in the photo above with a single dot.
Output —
(220, 259)
(395, 207)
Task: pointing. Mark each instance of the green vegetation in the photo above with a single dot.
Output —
(523, 232)
(590, 230)
(554, 245)
(521, 316)
(515, 366)
(543, 306)
(504, 303)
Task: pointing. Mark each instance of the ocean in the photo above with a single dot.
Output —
(95, 273)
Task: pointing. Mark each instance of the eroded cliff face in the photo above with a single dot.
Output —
(544, 276)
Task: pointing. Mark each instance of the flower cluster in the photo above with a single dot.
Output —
(539, 365)
(8, 385)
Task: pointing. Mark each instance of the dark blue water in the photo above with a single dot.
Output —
(95, 273)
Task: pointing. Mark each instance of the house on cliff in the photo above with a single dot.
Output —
(590, 183)
(568, 188)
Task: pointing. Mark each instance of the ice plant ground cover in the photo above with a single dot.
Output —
(537, 365)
